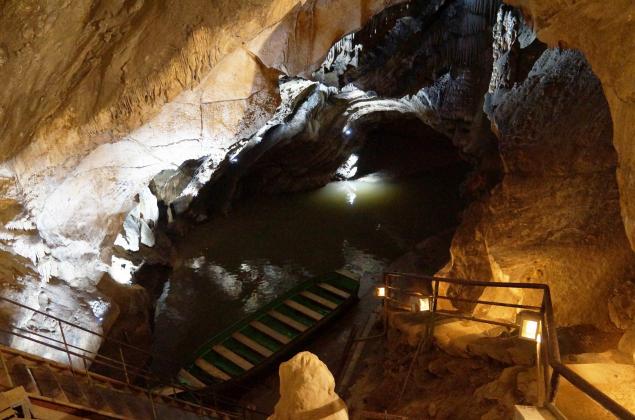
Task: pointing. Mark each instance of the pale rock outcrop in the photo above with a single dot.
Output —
(307, 391)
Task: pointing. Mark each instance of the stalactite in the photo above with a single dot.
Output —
(487, 8)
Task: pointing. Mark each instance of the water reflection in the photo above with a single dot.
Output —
(231, 266)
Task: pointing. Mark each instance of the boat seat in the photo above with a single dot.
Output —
(334, 290)
(289, 321)
(211, 369)
(232, 357)
(270, 332)
(191, 380)
(319, 299)
(303, 309)
(258, 348)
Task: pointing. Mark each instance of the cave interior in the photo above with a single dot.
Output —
(187, 190)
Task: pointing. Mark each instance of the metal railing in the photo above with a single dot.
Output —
(551, 366)
(119, 370)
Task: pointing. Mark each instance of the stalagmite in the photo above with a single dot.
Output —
(307, 391)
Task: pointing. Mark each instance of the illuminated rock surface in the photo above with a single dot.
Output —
(117, 92)
(107, 105)
(307, 390)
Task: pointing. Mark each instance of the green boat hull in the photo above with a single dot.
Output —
(263, 338)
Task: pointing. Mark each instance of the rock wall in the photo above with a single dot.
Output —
(604, 32)
(555, 217)
(100, 96)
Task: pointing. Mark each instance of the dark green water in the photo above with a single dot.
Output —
(231, 266)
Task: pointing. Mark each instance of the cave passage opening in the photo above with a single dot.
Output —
(407, 188)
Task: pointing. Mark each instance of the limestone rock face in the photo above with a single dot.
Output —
(555, 217)
(307, 391)
(101, 96)
(604, 32)
(106, 115)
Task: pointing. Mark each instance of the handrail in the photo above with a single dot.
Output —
(548, 325)
(150, 381)
(79, 327)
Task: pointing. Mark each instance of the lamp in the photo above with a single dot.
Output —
(529, 323)
(380, 291)
(420, 304)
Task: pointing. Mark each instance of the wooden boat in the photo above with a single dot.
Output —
(262, 338)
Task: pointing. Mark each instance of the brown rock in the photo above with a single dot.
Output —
(555, 218)
(622, 305)
(627, 343)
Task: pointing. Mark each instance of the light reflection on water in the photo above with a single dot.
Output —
(231, 266)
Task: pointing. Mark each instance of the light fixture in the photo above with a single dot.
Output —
(420, 304)
(380, 291)
(529, 323)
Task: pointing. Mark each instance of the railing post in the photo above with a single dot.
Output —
(123, 362)
(552, 345)
(154, 411)
(540, 401)
(68, 354)
(432, 319)
(384, 303)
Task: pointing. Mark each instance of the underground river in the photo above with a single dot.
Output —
(230, 266)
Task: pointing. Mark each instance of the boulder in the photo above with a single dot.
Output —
(622, 305)
(627, 343)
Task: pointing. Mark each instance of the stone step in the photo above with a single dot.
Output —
(139, 405)
(72, 388)
(116, 401)
(5, 378)
(21, 376)
(94, 397)
(47, 383)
